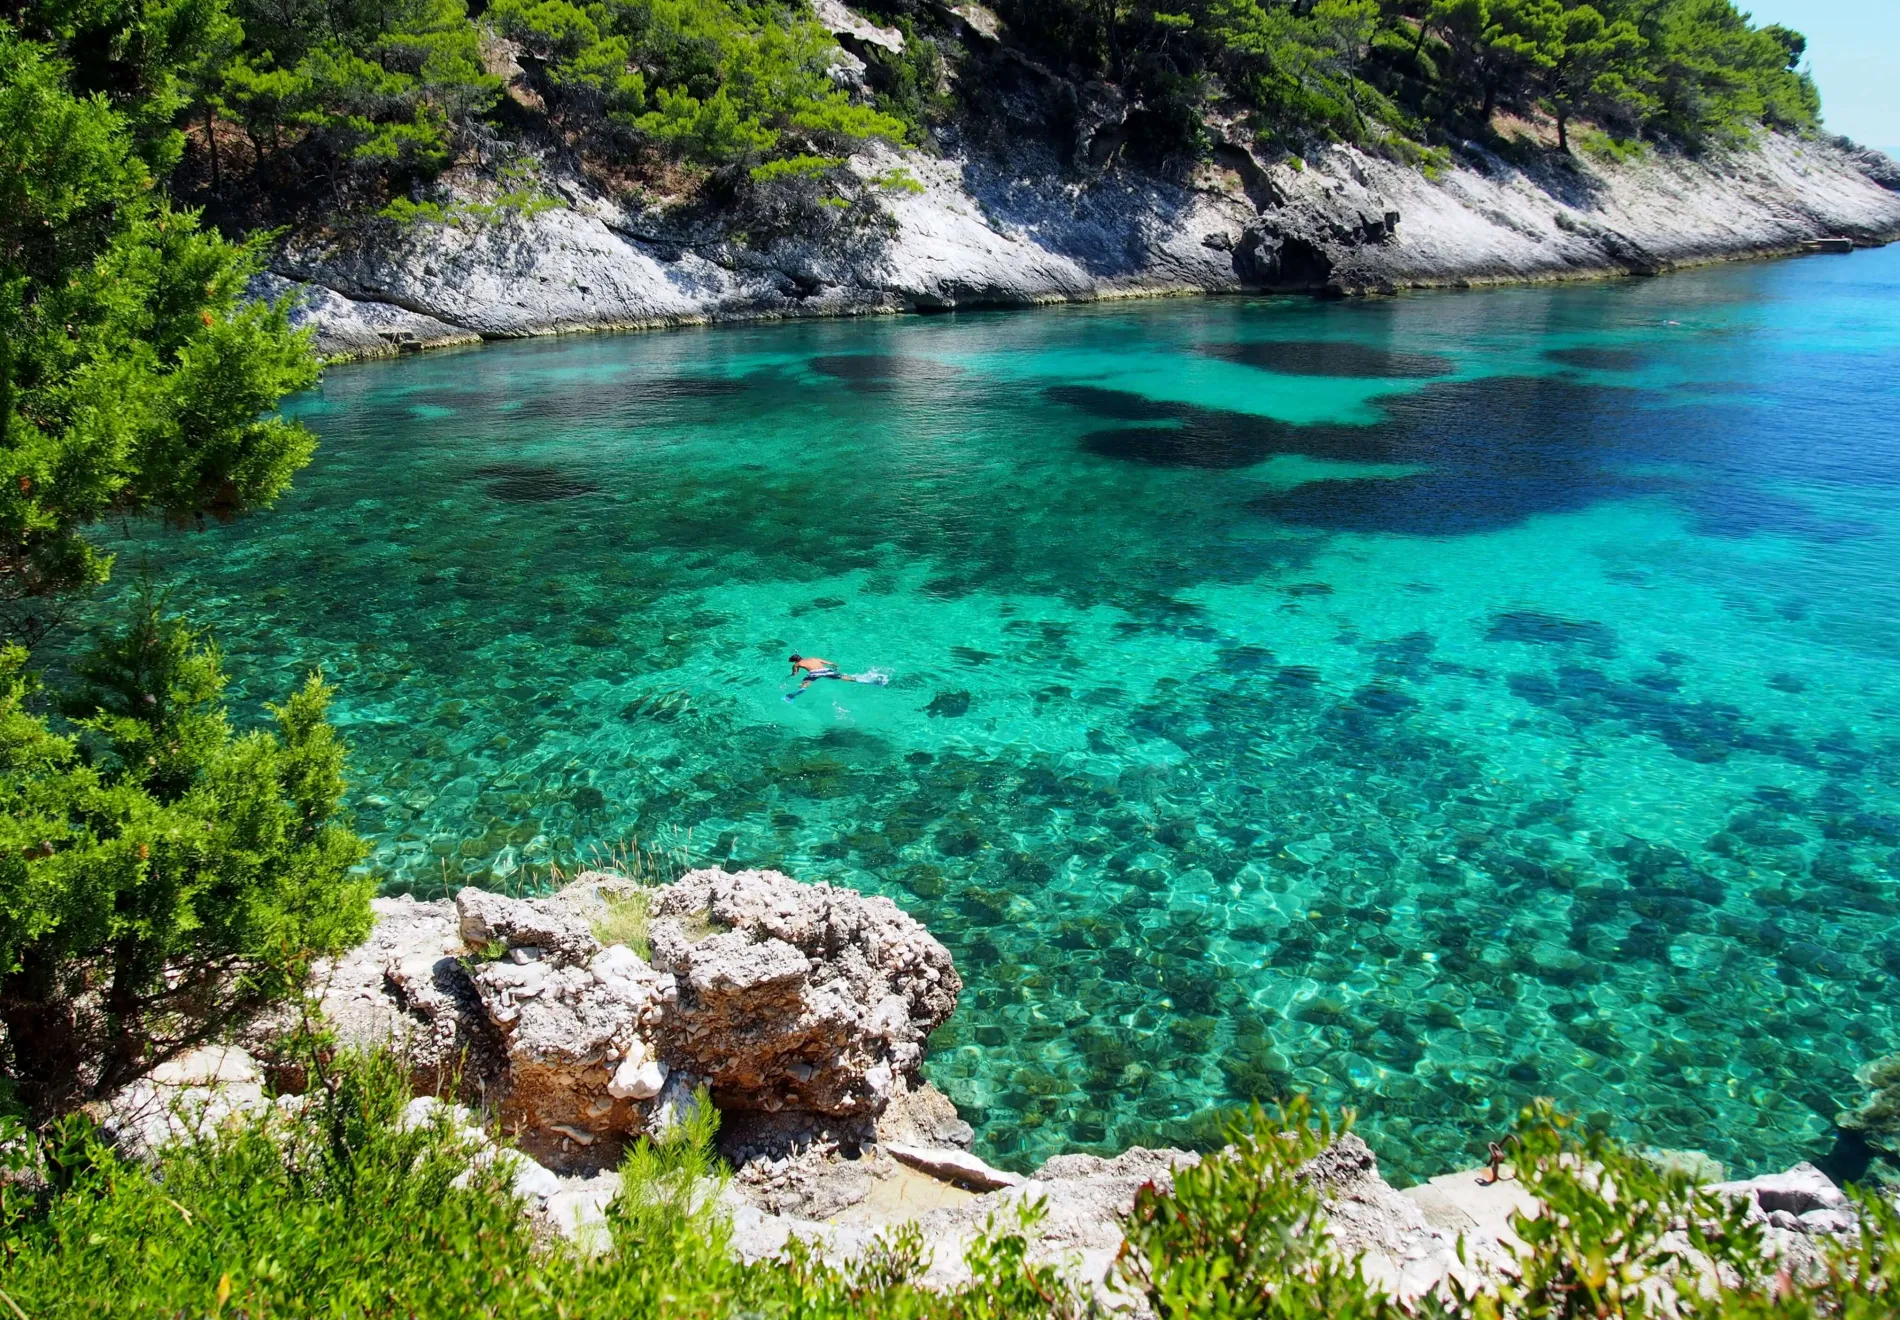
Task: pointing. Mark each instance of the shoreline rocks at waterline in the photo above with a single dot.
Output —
(1028, 226)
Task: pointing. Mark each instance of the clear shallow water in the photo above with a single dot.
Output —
(1428, 703)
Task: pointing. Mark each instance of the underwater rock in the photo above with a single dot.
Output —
(533, 483)
(1877, 1121)
(948, 705)
(1331, 358)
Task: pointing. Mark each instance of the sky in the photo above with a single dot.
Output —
(1854, 47)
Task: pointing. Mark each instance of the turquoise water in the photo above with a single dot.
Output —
(1427, 703)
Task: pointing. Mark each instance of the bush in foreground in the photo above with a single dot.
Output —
(330, 1206)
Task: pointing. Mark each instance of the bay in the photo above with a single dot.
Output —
(1425, 703)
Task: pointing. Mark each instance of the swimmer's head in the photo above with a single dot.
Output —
(794, 657)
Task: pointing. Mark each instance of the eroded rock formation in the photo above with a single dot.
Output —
(779, 997)
(799, 997)
(1026, 223)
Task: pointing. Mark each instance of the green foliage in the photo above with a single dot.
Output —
(897, 179)
(335, 1205)
(342, 1210)
(1378, 72)
(1616, 1233)
(143, 58)
(339, 1210)
(712, 84)
(132, 376)
(160, 875)
(912, 83)
(370, 94)
(520, 197)
(1237, 1235)
(707, 132)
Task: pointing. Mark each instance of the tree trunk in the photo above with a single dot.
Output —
(43, 1038)
(1490, 100)
(1563, 132)
(211, 146)
(124, 1047)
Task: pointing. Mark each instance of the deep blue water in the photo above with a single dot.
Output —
(1426, 703)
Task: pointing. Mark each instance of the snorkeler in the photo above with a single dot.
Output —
(815, 669)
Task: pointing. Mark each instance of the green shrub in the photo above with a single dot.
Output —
(338, 1210)
(132, 375)
(331, 1206)
(1619, 1235)
(160, 875)
(1238, 1236)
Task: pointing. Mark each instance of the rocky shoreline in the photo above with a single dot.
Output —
(1035, 227)
(802, 1011)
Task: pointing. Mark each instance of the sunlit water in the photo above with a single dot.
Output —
(1427, 704)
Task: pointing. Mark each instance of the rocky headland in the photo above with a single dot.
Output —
(801, 1012)
(1037, 205)
(1027, 228)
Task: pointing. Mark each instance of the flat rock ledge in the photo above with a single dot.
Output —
(803, 1011)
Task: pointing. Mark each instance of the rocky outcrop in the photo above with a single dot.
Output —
(1797, 1210)
(796, 997)
(1086, 1198)
(576, 1024)
(785, 999)
(1030, 224)
(184, 1098)
(359, 327)
(406, 988)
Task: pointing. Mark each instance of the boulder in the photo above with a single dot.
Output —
(796, 997)
(533, 1183)
(404, 988)
(785, 998)
(954, 1166)
(1797, 1191)
(184, 1098)
(529, 931)
(575, 1021)
(1368, 1221)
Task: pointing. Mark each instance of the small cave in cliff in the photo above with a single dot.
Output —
(1303, 264)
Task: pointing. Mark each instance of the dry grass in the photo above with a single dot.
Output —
(628, 915)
